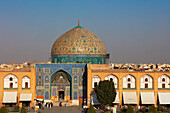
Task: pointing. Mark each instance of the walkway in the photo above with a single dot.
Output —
(63, 109)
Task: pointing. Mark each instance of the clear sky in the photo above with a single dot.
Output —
(136, 31)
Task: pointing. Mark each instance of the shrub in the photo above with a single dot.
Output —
(138, 112)
(160, 108)
(130, 109)
(3, 110)
(143, 110)
(159, 111)
(123, 109)
(23, 110)
(107, 112)
(91, 109)
(153, 109)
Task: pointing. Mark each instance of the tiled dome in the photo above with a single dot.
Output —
(78, 41)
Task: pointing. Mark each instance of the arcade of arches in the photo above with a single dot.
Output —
(137, 84)
(74, 83)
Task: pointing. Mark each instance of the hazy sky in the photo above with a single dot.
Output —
(136, 31)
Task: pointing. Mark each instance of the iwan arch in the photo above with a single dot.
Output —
(61, 84)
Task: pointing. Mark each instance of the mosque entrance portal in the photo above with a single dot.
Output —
(61, 86)
(61, 95)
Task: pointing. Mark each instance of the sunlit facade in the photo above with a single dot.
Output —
(78, 64)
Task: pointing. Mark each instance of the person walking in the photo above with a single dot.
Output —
(60, 104)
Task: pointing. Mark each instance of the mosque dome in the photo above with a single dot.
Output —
(78, 45)
(78, 41)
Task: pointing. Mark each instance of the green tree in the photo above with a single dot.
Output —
(23, 110)
(105, 92)
(130, 109)
(91, 109)
(153, 109)
(3, 110)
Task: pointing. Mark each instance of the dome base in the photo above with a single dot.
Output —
(93, 59)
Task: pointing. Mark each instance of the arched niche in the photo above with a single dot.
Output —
(129, 81)
(10, 81)
(25, 82)
(164, 81)
(112, 78)
(146, 81)
(61, 84)
(95, 81)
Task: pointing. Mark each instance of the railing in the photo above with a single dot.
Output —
(163, 88)
(146, 88)
(10, 88)
(25, 88)
(130, 88)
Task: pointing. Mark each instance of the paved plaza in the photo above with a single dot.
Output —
(62, 109)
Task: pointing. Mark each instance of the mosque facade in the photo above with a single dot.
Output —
(78, 64)
(66, 77)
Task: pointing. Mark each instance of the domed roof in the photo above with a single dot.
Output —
(78, 41)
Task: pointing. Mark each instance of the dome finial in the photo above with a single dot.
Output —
(78, 22)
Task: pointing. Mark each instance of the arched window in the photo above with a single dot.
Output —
(47, 95)
(163, 85)
(75, 79)
(39, 83)
(10, 81)
(95, 81)
(75, 95)
(146, 85)
(25, 82)
(61, 81)
(146, 81)
(11, 85)
(129, 81)
(128, 85)
(46, 79)
(113, 78)
(54, 93)
(163, 81)
(39, 77)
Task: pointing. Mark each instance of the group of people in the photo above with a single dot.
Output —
(47, 104)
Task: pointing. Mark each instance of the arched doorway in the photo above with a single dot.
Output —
(61, 86)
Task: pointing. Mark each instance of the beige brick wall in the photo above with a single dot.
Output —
(19, 75)
(105, 72)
